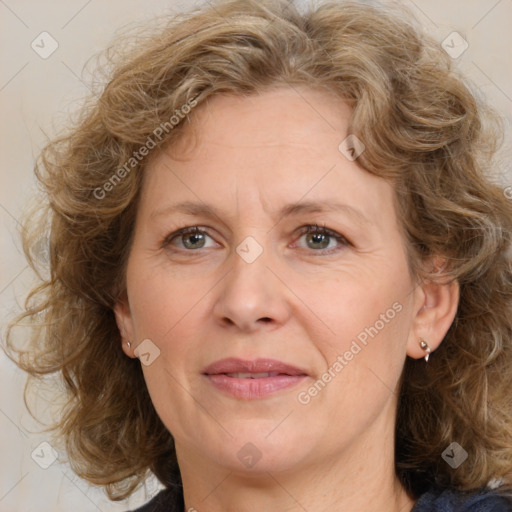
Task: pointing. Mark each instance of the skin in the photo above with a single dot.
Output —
(248, 157)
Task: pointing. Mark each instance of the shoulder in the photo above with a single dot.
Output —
(451, 500)
(435, 500)
(168, 500)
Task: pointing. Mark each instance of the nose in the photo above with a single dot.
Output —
(252, 295)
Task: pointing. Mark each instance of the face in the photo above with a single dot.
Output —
(257, 330)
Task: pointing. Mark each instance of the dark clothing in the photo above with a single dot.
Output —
(434, 500)
(168, 500)
(446, 500)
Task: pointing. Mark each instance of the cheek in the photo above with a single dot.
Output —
(166, 310)
(161, 301)
(371, 341)
(365, 306)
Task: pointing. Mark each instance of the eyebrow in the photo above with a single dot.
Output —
(202, 209)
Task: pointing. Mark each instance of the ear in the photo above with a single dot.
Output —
(435, 307)
(125, 324)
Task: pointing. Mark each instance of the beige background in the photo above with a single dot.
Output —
(36, 94)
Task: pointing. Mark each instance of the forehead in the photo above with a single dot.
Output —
(279, 115)
(276, 148)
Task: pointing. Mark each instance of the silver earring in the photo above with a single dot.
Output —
(425, 347)
(128, 344)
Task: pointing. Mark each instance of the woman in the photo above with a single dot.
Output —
(279, 270)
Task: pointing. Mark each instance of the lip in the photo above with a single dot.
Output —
(286, 377)
(235, 365)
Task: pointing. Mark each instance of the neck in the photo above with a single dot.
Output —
(362, 478)
(230, 493)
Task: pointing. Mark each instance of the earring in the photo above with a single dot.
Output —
(425, 347)
(128, 344)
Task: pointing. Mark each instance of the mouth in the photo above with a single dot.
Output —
(252, 379)
(248, 375)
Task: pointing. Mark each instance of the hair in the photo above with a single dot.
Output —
(423, 129)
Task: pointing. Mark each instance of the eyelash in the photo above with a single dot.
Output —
(310, 228)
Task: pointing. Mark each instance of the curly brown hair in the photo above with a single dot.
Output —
(423, 129)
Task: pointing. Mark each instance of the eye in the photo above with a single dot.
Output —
(323, 239)
(190, 237)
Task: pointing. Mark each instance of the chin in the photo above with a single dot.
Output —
(255, 453)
